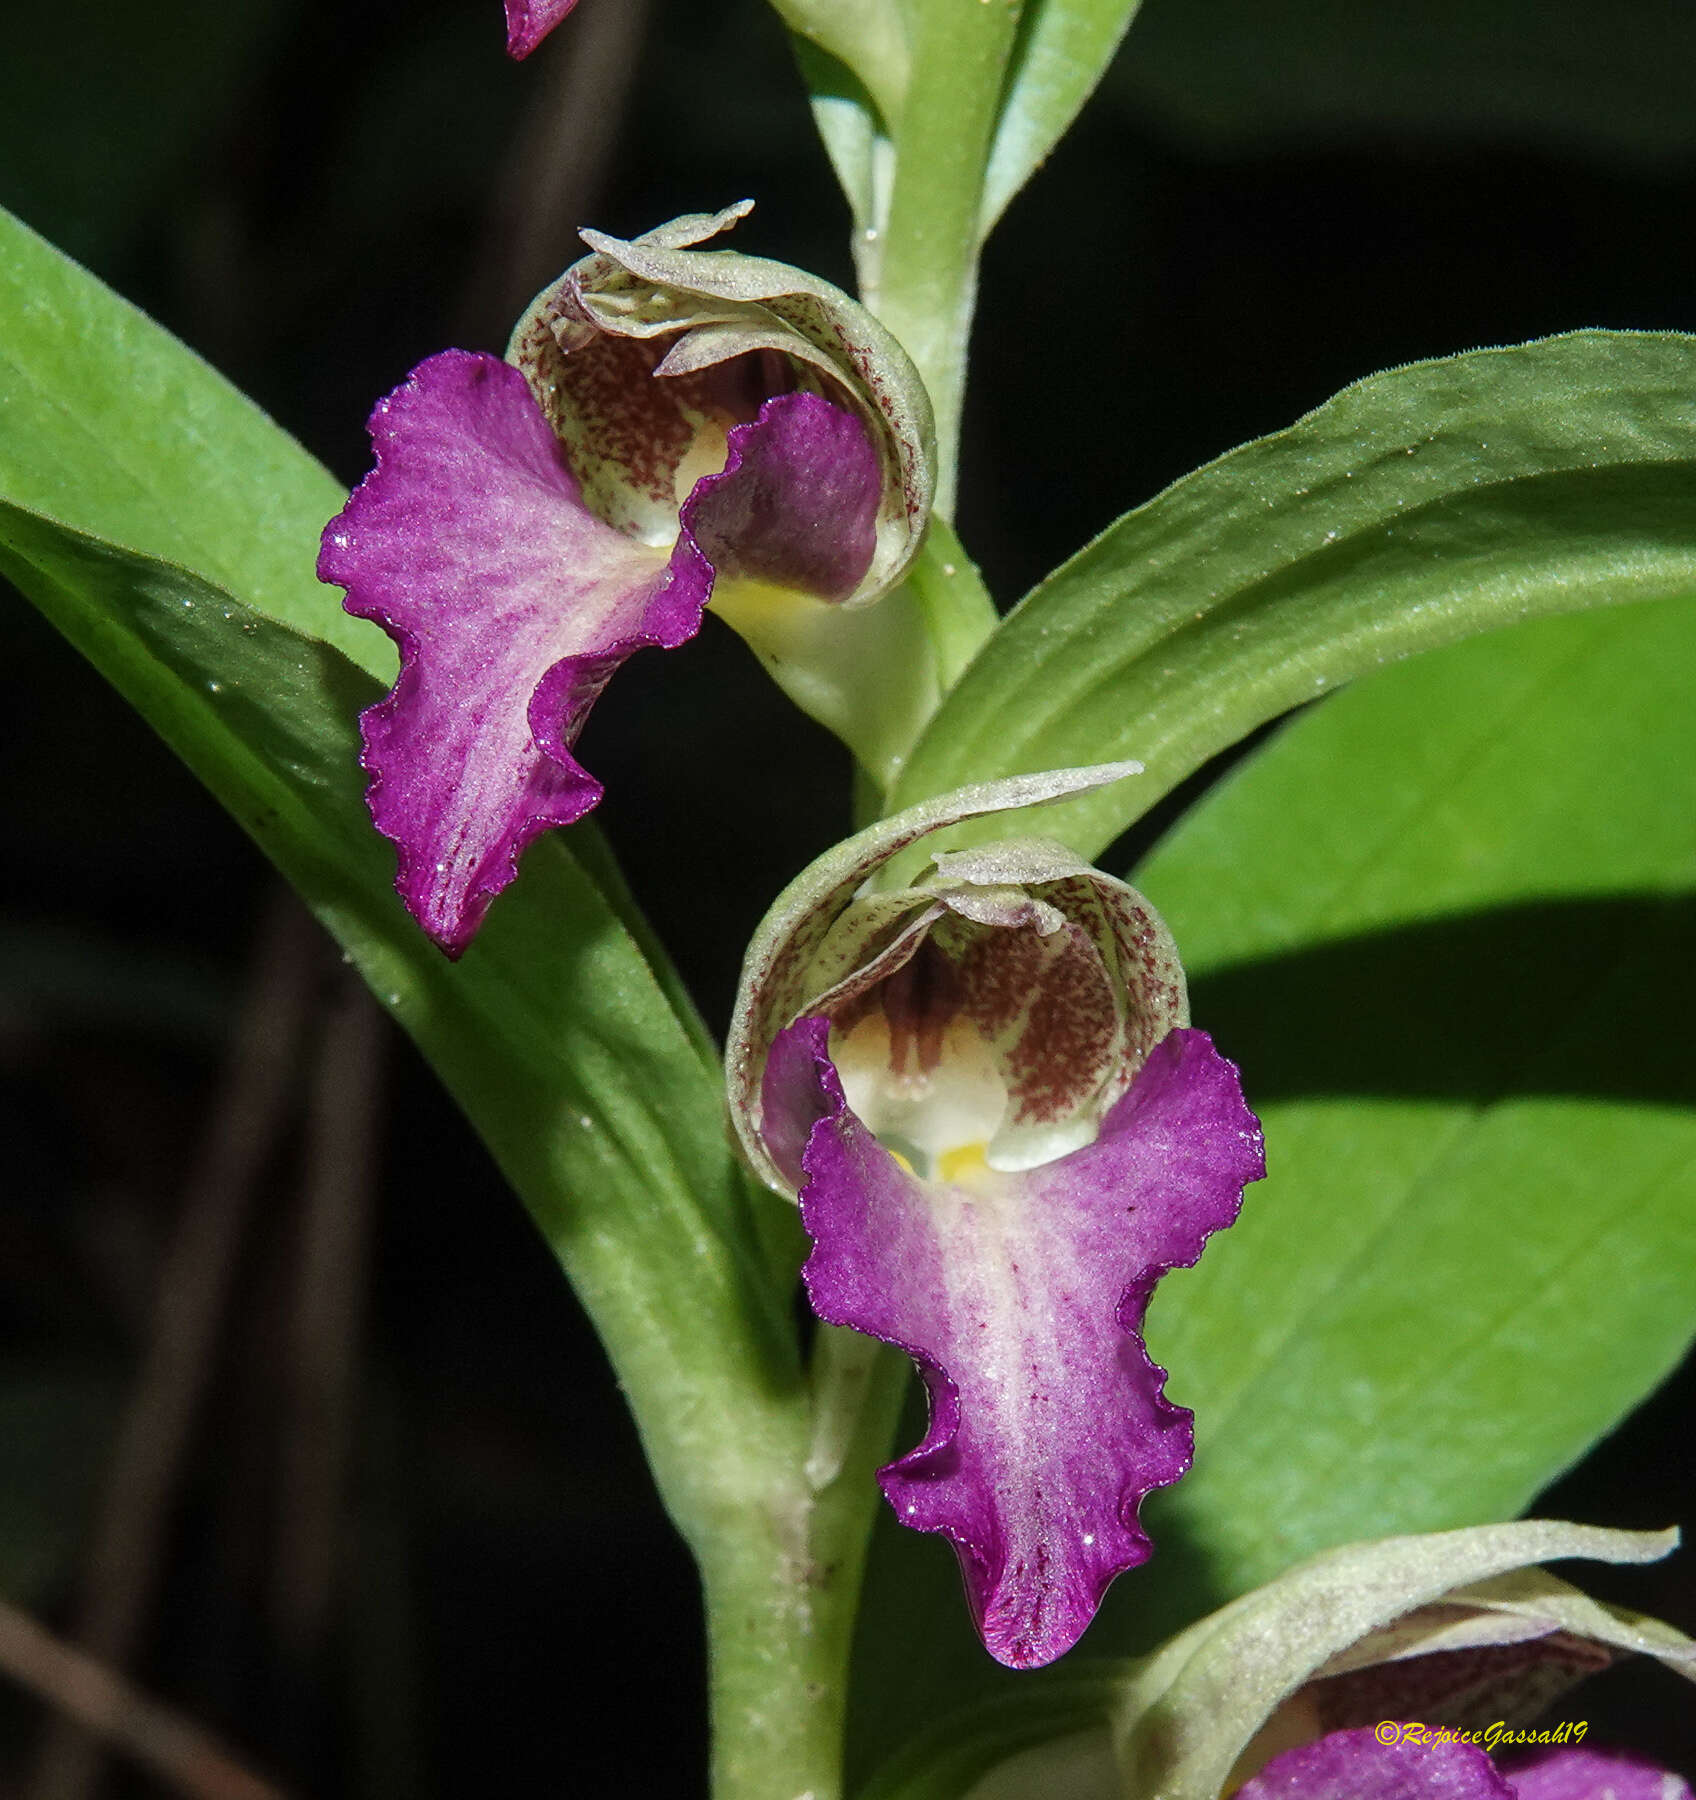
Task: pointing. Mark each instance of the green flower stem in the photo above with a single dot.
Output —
(923, 280)
(959, 613)
(782, 1575)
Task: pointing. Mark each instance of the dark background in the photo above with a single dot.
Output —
(1269, 199)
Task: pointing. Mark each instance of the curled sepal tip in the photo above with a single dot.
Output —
(1413, 1668)
(648, 351)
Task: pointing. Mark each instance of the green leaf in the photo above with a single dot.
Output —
(1446, 924)
(1415, 508)
(111, 426)
(553, 1032)
(1064, 49)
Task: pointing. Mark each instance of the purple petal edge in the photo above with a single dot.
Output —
(511, 604)
(1354, 1765)
(529, 21)
(470, 544)
(1021, 1299)
(1570, 1773)
(797, 500)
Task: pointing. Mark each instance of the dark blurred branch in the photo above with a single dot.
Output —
(105, 1705)
(328, 1310)
(385, 1640)
(556, 167)
(135, 1515)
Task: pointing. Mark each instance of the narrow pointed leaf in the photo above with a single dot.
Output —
(554, 1032)
(1444, 923)
(1063, 51)
(1418, 507)
(111, 426)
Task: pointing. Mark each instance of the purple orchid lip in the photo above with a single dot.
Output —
(1575, 1773)
(1409, 1760)
(512, 603)
(1379, 1763)
(529, 21)
(1020, 1294)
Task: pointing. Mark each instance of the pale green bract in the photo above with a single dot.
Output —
(1176, 1725)
(935, 114)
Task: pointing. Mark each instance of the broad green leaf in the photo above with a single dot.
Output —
(553, 1032)
(1064, 49)
(1417, 507)
(1445, 923)
(111, 426)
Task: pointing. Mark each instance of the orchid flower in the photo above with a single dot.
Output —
(670, 426)
(1413, 1668)
(1002, 1132)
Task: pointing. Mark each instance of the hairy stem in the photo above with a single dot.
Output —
(783, 1583)
(931, 234)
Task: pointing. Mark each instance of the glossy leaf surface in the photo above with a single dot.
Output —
(1063, 50)
(111, 426)
(1445, 923)
(1417, 507)
(1448, 919)
(142, 501)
